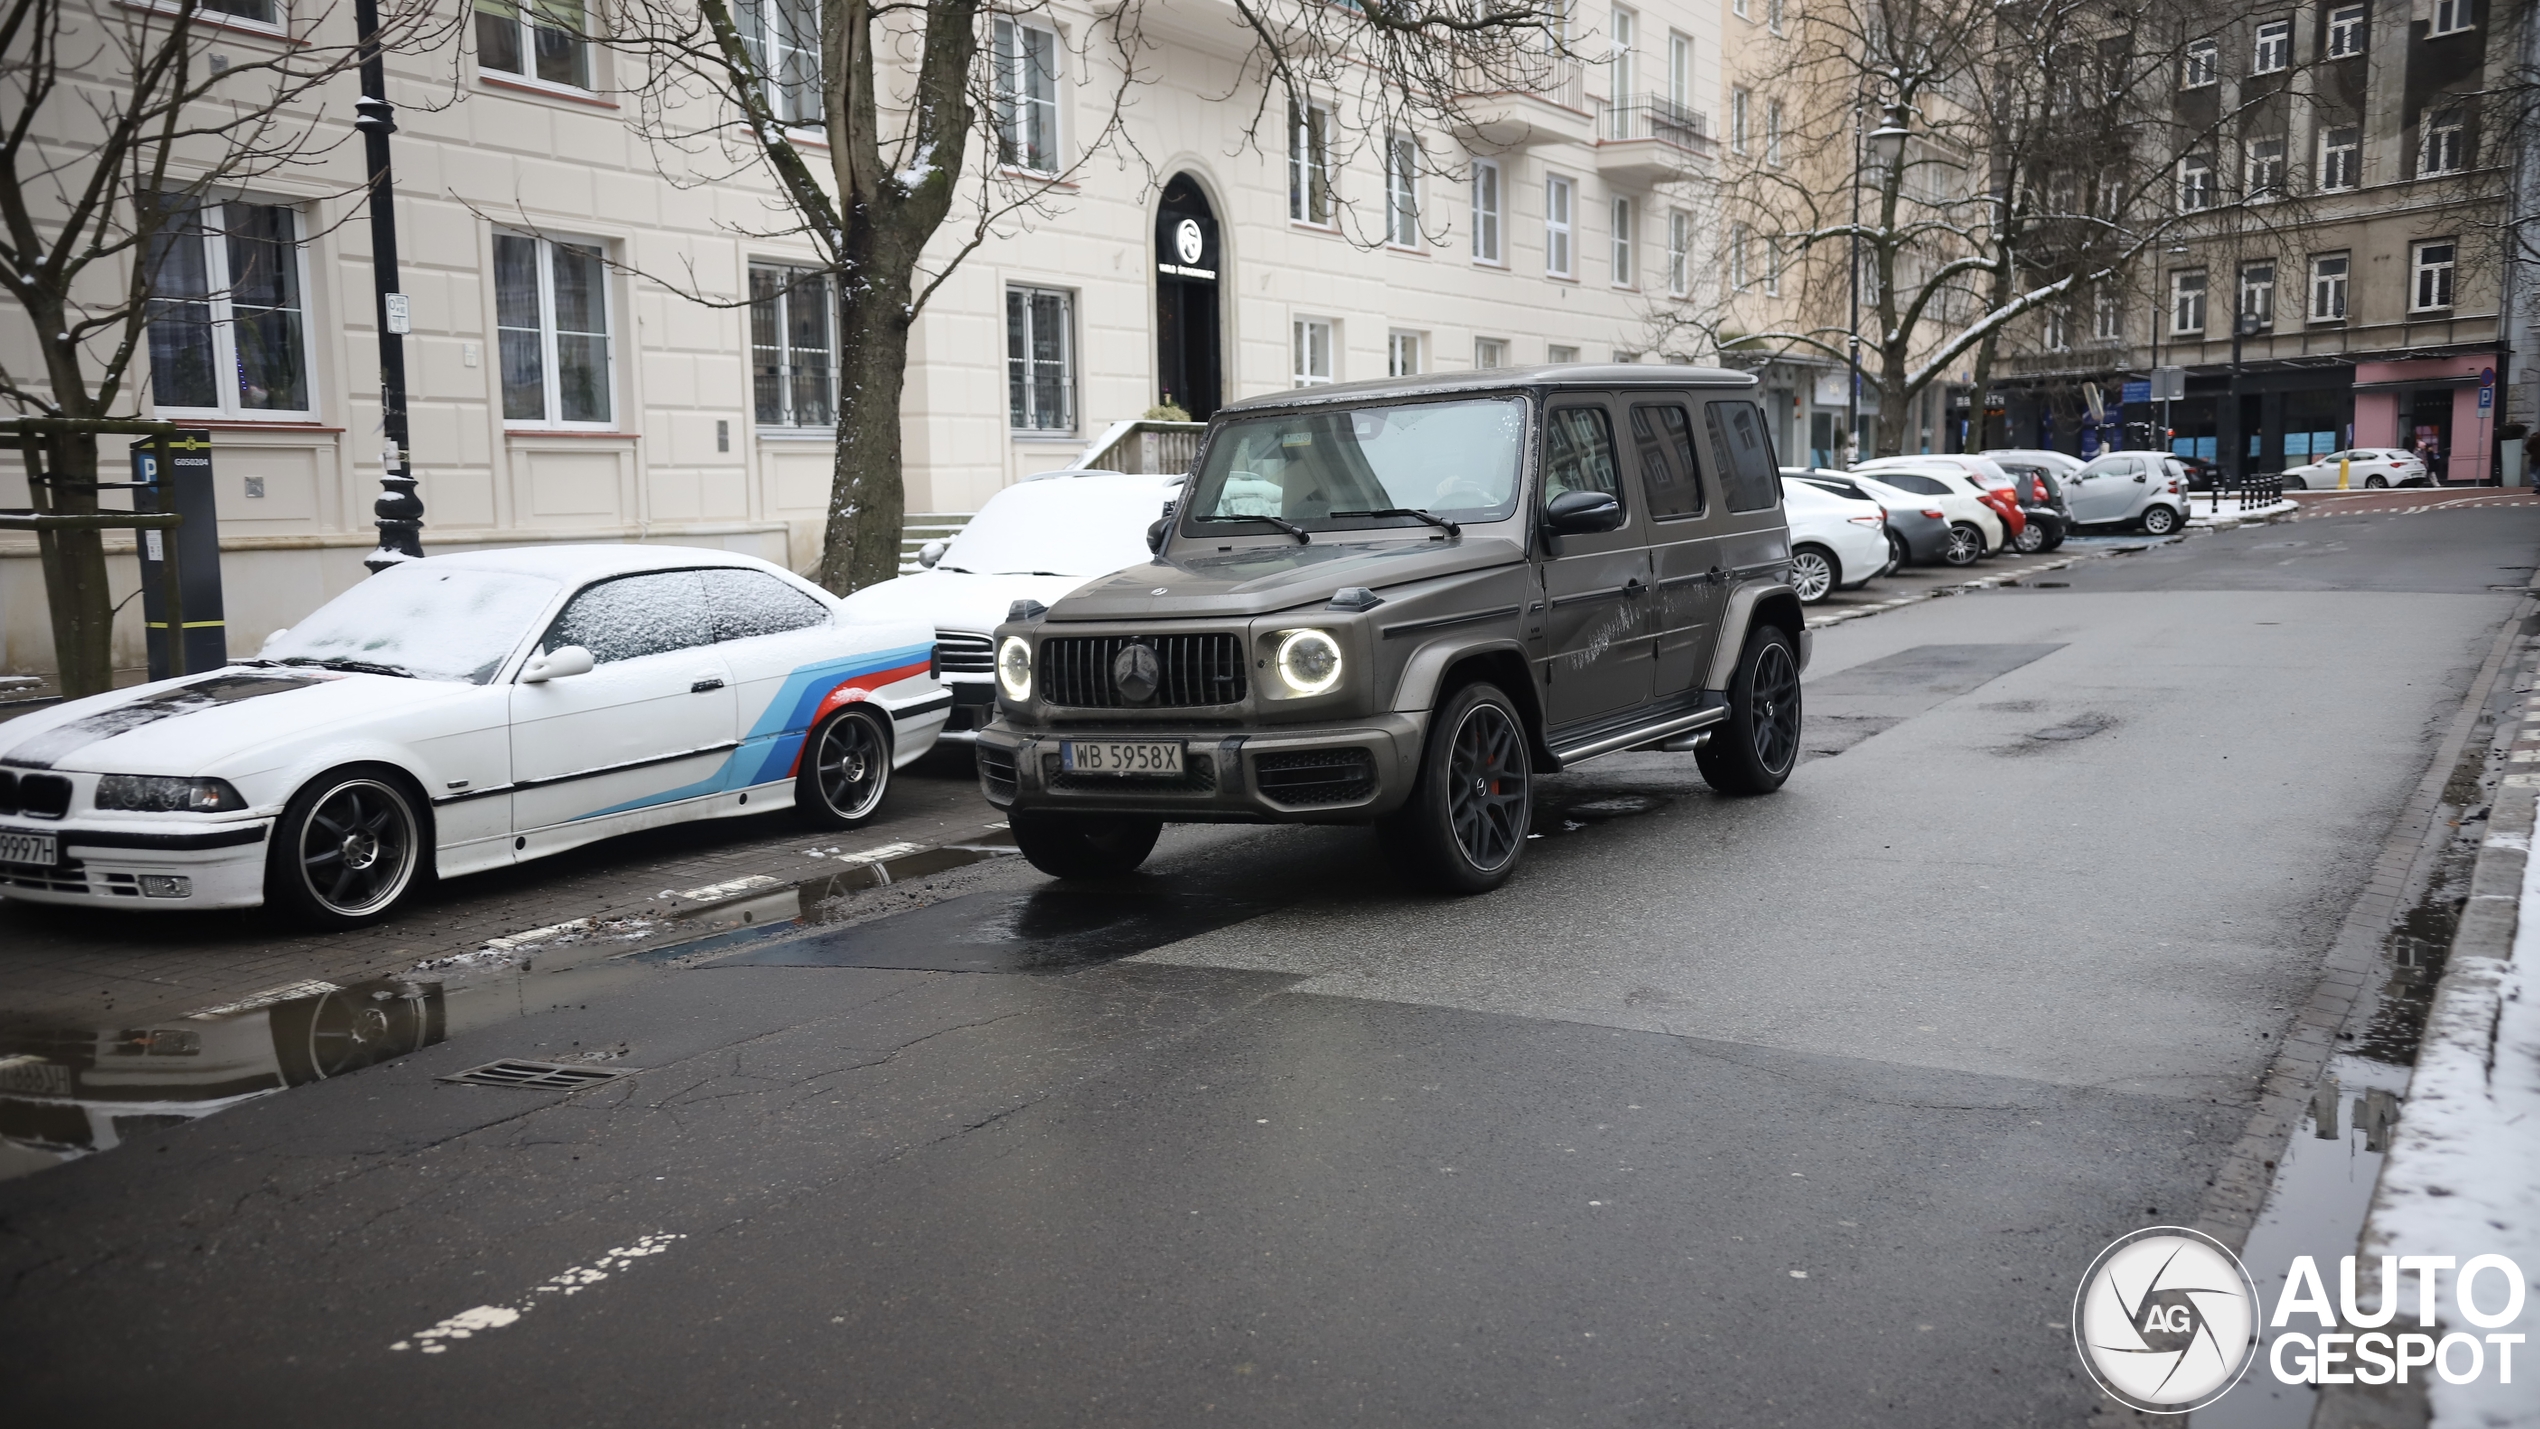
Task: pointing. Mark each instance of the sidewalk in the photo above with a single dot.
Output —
(2224, 514)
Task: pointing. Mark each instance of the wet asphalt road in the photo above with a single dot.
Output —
(1804, 1110)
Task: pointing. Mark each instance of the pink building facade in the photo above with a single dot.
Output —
(2397, 404)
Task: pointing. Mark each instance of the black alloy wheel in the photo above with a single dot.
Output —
(347, 850)
(1463, 830)
(1966, 545)
(846, 770)
(1813, 573)
(1754, 751)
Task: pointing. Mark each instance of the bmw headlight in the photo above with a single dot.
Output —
(1014, 668)
(161, 794)
(1308, 661)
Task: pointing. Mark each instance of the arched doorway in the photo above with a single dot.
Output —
(1187, 255)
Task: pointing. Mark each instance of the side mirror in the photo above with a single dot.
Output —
(1575, 513)
(1157, 530)
(571, 660)
(930, 553)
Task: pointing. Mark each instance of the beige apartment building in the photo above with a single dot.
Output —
(599, 352)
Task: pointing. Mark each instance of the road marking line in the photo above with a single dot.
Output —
(875, 854)
(572, 1281)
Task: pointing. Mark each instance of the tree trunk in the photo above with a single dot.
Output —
(861, 545)
(75, 583)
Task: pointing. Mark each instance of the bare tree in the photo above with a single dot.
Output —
(923, 139)
(117, 134)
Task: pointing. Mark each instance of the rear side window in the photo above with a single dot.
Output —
(1578, 454)
(747, 603)
(633, 616)
(1914, 482)
(1743, 457)
(1663, 435)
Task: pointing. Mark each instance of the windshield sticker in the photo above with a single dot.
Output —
(1297, 439)
(44, 749)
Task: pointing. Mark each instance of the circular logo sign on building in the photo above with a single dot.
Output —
(1189, 241)
(2166, 1320)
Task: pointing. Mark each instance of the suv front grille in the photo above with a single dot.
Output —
(959, 653)
(1197, 670)
(1312, 777)
(996, 773)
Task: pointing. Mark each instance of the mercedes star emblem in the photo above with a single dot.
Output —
(1136, 672)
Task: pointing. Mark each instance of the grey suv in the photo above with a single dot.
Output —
(1397, 602)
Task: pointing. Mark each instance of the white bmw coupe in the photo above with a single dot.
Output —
(462, 713)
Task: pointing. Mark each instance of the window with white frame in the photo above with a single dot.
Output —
(1311, 341)
(551, 317)
(2450, 17)
(254, 12)
(1773, 15)
(228, 319)
(1027, 96)
(1739, 101)
(2257, 292)
(2187, 302)
(541, 40)
(2274, 48)
(2341, 159)
(783, 40)
(1740, 239)
(793, 347)
(1772, 267)
(1620, 71)
(2108, 316)
(1040, 359)
(1739, 8)
(1402, 191)
(1486, 212)
(2201, 65)
(1310, 164)
(2430, 268)
(2059, 327)
(2345, 31)
(1490, 352)
(2446, 146)
(1679, 252)
(2195, 183)
(2328, 287)
(1625, 273)
(1558, 194)
(1403, 354)
(2266, 167)
(1679, 72)
(1773, 133)
(1555, 352)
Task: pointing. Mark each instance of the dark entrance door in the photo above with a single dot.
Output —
(2429, 431)
(1186, 259)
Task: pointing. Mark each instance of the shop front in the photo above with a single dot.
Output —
(2439, 406)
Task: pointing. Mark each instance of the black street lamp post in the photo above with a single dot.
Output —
(2243, 327)
(399, 509)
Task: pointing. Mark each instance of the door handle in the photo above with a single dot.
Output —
(1633, 589)
(1717, 576)
(710, 682)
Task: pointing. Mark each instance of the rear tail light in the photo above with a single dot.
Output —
(1870, 521)
(1936, 515)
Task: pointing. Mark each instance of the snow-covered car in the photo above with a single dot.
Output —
(1976, 528)
(1037, 540)
(462, 713)
(2055, 462)
(1835, 543)
(2372, 467)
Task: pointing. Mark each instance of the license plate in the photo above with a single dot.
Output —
(1104, 756)
(18, 847)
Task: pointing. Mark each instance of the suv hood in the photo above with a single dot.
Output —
(1259, 579)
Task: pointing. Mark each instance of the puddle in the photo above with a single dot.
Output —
(1052, 928)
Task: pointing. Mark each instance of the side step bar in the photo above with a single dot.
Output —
(1644, 734)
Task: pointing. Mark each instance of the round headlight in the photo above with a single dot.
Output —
(1309, 661)
(1014, 668)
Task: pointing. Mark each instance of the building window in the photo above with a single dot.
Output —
(2341, 159)
(228, 323)
(2450, 17)
(254, 12)
(2109, 317)
(1739, 101)
(2257, 292)
(551, 314)
(1040, 359)
(2345, 31)
(1312, 340)
(2059, 327)
(1310, 164)
(2328, 288)
(1773, 16)
(1739, 238)
(2430, 285)
(1486, 215)
(2201, 65)
(2446, 143)
(2266, 168)
(1619, 74)
(542, 40)
(1555, 352)
(1625, 274)
(1557, 193)
(783, 38)
(2195, 183)
(1402, 191)
(793, 347)
(2274, 50)
(1680, 72)
(1738, 8)
(1489, 352)
(1772, 267)
(1773, 133)
(1027, 96)
(2187, 302)
(1679, 251)
(1403, 351)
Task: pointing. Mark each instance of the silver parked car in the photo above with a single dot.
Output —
(2145, 489)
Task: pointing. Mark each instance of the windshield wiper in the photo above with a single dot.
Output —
(1283, 524)
(1440, 522)
(355, 667)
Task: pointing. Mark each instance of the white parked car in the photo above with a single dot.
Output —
(1036, 540)
(1835, 544)
(2368, 467)
(462, 713)
(1976, 529)
(2144, 489)
(2059, 463)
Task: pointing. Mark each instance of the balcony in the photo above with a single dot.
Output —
(1648, 139)
(1550, 105)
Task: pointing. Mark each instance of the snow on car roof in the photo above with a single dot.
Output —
(576, 563)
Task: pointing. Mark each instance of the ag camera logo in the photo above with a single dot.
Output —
(2166, 1320)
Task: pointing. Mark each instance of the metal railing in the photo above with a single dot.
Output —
(1654, 116)
(1552, 79)
(2244, 493)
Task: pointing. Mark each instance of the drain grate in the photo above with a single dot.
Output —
(552, 1076)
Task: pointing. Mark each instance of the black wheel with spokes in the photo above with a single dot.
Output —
(1758, 746)
(1463, 830)
(846, 770)
(348, 848)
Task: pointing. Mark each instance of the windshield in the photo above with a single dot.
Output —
(1060, 526)
(423, 619)
(1457, 460)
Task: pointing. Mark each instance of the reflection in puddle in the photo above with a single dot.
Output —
(1051, 928)
(1570, 816)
